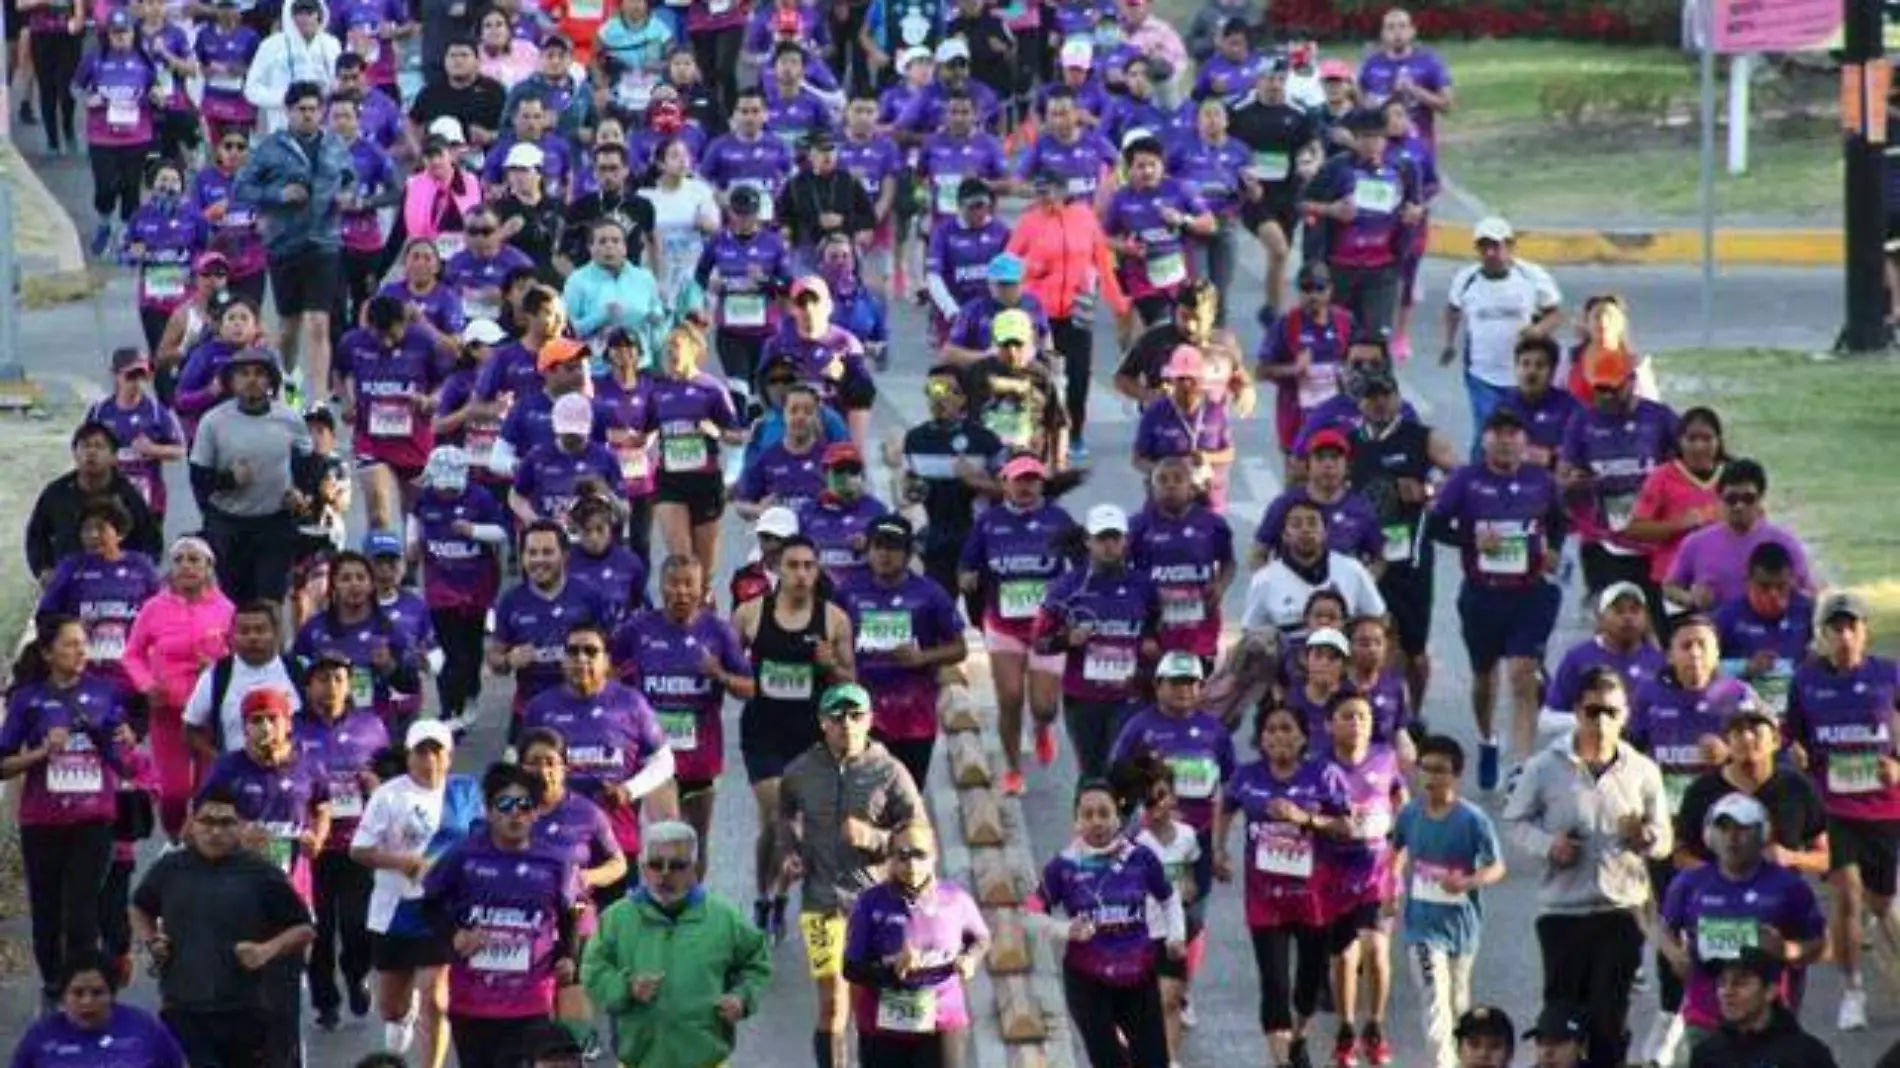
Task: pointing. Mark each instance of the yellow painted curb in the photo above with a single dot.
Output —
(1773, 248)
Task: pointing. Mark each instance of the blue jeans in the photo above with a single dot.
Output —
(1484, 400)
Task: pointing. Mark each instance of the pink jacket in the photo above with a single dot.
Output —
(424, 203)
(173, 639)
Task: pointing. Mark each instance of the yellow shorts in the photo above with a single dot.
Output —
(824, 943)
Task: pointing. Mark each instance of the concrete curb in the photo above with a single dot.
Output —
(1453, 239)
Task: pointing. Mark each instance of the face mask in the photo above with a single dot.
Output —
(843, 484)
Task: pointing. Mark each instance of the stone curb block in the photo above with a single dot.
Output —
(1654, 248)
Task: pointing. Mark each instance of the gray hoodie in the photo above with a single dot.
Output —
(1556, 794)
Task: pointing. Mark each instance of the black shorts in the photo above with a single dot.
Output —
(702, 492)
(1507, 623)
(768, 741)
(1346, 929)
(1407, 590)
(767, 759)
(1873, 846)
(1166, 966)
(306, 282)
(406, 953)
(857, 393)
(1272, 208)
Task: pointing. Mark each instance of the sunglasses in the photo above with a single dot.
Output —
(912, 854)
(1602, 710)
(514, 804)
(781, 381)
(1740, 498)
(673, 865)
(1314, 287)
(850, 713)
(586, 650)
(215, 272)
(481, 231)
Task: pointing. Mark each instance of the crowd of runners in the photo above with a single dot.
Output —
(559, 289)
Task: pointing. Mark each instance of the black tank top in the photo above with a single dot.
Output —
(1378, 462)
(786, 674)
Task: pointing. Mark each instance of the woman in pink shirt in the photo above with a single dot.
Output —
(185, 627)
(1680, 497)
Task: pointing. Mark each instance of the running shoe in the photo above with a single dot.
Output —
(776, 924)
(1297, 1056)
(762, 913)
(1045, 744)
(28, 117)
(1488, 756)
(359, 998)
(1013, 785)
(1078, 451)
(328, 1019)
(1373, 1044)
(1188, 1019)
(1853, 1012)
(1345, 1048)
(101, 239)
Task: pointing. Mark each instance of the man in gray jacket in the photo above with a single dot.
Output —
(302, 180)
(243, 464)
(839, 805)
(1593, 808)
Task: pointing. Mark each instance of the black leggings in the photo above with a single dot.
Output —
(640, 530)
(739, 356)
(153, 323)
(66, 869)
(943, 1050)
(1273, 957)
(460, 634)
(361, 272)
(118, 173)
(1590, 960)
(55, 65)
(1669, 988)
(718, 54)
(1076, 342)
(1104, 1015)
(115, 899)
(484, 1042)
(341, 887)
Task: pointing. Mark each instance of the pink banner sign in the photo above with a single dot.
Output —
(1776, 25)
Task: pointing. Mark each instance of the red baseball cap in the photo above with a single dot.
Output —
(843, 453)
(1329, 438)
(265, 701)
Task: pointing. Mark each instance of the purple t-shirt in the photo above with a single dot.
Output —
(623, 411)
(477, 280)
(441, 304)
(384, 379)
(913, 611)
(618, 573)
(1180, 556)
(834, 527)
(1162, 266)
(1379, 79)
(1339, 412)
(459, 573)
(945, 161)
(341, 750)
(123, 81)
(156, 423)
(1718, 918)
(871, 162)
(665, 663)
(131, 1038)
(170, 235)
(1078, 164)
(511, 367)
(791, 479)
(883, 923)
(1743, 633)
(1844, 721)
(764, 163)
(1546, 418)
(676, 410)
(1212, 171)
(326, 632)
(1165, 430)
(1637, 669)
(237, 234)
(747, 306)
(1195, 746)
(1352, 526)
(1014, 554)
(1280, 859)
(961, 256)
(515, 899)
(1514, 507)
(226, 59)
(80, 783)
(1358, 870)
(1618, 452)
(540, 620)
(1122, 608)
(549, 477)
(610, 737)
(106, 598)
(1109, 889)
(1668, 720)
(282, 800)
(1717, 557)
(792, 118)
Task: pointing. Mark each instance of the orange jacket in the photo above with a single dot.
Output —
(1064, 255)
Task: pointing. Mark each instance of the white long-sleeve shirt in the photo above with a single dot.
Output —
(287, 57)
(1276, 596)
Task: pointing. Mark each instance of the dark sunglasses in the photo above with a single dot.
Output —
(1740, 498)
(912, 854)
(480, 231)
(667, 864)
(585, 650)
(849, 713)
(1602, 710)
(215, 272)
(514, 804)
(1314, 287)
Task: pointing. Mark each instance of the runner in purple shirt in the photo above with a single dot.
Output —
(1079, 80)
(462, 531)
(1076, 155)
(90, 1029)
(103, 587)
(150, 435)
(67, 734)
(1711, 566)
(478, 273)
(550, 479)
(958, 151)
(748, 157)
(529, 634)
(1608, 452)
(746, 267)
(1677, 719)
(224, 47)
(118, 85)
(1352, 525)
(1185, 422)
(385, 664)
(1209, 161)
(957, 260)
(161, 240)
(1769, 629)
(234, 223)
(570, 825)
(1361, 209)
(1230, 73)
(793, 110)
(1622, 642)
(1186, 552)
(1147, 221)
(600, 560)
(839, 519)
(1402, 69)
(282, 793)
(1194, 745)
(789, 474)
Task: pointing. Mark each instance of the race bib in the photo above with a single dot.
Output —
(1020, 598)
(1378, 195)
(1772, 687)
(946, 186)
(1675, 788)
(282, 851)
(1512, 554)
(1853, 773)
(480, 445)
(362, 687)
(503, 953)
(1427, 888)
(1009, 424)
(883, 631)
(1318, 385)
(1290, 857)
(1271, 166)
(448, 246)
(165, 281)
(1617, 509)
(1182, 607)
(634, 464)
(682, 730)
(391, 420)
(635, 89)
(1111, 666)
(473, 309)
(1370, 823)
(105, 641)
(1195, 777)
(745, 309)
(683, 454)
(122, 114)
(346, 798)
(223, 80)
(718, 7)
(785, 682)
(586, 10)
(1398, 542)
(75, 773)
(1166, 269)
(910, 1012)
(1081, 187)
(1725, 937)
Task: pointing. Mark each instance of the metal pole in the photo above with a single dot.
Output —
(1866, 135)
(1740, 71)
(1708, 172)
(10, 278)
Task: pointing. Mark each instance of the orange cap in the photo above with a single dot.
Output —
(1607, 368)
(557, 352)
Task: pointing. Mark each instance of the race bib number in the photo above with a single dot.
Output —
(1512, 553)
(448, 246)
(635, 89)
(1009, 424)
(909, 1012)
(946, 186)
(122, 114)
(224, 80)
(634, 464)
(682, 730)
(75, 773)
(684, 454)
(1271, 166)
(1183, 607)
(1378, 195)
(1370, 823)
(718, 7)
(1290, 857)
(1081, 187)
(362, 687)
(282, 851)
(785, 682)
(501, 954)
(745, 309)
(1110, 666)
(586, 10)
(391, 420)
(105, 641)
(1772, 687)
(1166, 269)
(1020, 598)
(1428, 888)
(1725, 937)
(1617, 509)
(165, 281)
(346, 798)
(1853, 773)
(1318, 385)
(473, 309)
(1398, 542)
(883, 631)
(1195, 777)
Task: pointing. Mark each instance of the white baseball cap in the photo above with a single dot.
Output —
(429, 730)
(573, 414)
(1493, 228)
(1107, 519)
(778, 521)
(1328, 638)
(1078, 53)
(1616, 591)
(1741, 808)
(524, 155)
(912, 55)
(483, 332)
(953, 48)
(448, 128)
(1180, 665)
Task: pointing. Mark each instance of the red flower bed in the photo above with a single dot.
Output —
(1631, 21)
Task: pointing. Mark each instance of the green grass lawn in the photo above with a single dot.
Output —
(37, 451)
(1826, 433)
(1498, 81)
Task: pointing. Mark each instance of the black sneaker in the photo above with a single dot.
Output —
(1296, 1055)
(28, 117)
(762, 914)
(327, 1019)
(359, 998)
(1345, 1048)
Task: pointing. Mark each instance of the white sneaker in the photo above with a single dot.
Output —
(1188, 1019)
(1853, 1013)
(1666, 1034)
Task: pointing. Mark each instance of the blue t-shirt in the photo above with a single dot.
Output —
(1464, 841)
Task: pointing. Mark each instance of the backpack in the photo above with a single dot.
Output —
(221, 673)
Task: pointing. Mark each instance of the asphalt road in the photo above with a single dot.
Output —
(1753, 307)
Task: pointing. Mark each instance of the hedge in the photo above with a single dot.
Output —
(1629, 21)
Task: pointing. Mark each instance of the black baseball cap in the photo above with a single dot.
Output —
(1486, 1021)
(1504, 419)
(891, 527)
(744, 200)
(1560, 1022)
(1364, 120)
